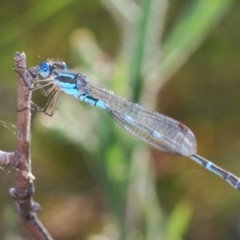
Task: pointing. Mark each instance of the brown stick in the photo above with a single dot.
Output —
(24, 188)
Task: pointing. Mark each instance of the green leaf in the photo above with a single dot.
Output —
(189, 32)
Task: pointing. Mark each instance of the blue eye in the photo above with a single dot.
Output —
(45, 69)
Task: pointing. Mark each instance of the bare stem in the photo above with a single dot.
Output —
(24, 188)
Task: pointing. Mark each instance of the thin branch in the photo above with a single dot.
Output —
(24, 188)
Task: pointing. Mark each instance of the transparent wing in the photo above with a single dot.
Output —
(153, 128)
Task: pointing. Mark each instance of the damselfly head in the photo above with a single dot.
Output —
(46, 68)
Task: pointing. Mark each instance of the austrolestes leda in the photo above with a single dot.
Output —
(157, 130)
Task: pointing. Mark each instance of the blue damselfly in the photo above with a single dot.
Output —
(151, 127)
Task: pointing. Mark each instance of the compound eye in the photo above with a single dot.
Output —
(45, 70)
(64, 65)
(60, 65)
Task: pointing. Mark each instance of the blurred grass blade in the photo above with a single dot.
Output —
(178, 221)
(124, 11)
(145, 35)
(143, 199)
(153, 37)
(189, 32)
(136, 78)
(29, 19)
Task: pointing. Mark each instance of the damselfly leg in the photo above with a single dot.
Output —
(41, 84)
(50, 105)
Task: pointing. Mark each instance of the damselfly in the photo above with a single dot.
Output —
(151, 127)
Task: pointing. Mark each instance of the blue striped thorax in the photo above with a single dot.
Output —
(75, 84)
(71, 83)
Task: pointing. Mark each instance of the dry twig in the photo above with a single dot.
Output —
(21, 159)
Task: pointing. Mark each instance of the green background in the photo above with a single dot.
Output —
(94, 180)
